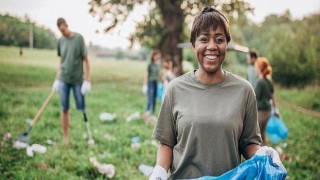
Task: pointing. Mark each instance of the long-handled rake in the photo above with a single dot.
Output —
(24, 137)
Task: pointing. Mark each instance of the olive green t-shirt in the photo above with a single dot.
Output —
(207, 125)
(264, 90)
(71, 51)
(153, 71)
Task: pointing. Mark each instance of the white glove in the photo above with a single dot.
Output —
(159, 173)
(55, 85)
(86, 87)
(269, 151)
(275, 111)
(144, 89)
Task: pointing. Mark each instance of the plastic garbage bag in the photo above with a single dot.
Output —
(276, 129)
(258, 167)
(159, 91)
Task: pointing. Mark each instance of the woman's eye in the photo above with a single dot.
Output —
(203, 39)
(220, 40)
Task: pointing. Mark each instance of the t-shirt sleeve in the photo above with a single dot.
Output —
(83, 47)
(165, 128)
(251, 131)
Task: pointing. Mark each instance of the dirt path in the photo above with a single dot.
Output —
(301, 109)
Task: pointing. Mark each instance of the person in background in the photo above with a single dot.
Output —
(252, 75)
(264, 90)
(150, 82)
(208, 118)
(166, 73)
(73, 73)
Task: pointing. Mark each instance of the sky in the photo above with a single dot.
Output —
(46, 12)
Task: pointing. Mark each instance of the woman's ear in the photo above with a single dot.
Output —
(193, 48)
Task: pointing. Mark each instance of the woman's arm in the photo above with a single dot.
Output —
(250, 150)
(87, 73)
(164, 156)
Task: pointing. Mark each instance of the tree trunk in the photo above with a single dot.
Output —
(173, 18)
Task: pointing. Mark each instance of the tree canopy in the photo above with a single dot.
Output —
(164, 26)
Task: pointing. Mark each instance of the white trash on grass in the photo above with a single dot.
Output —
(133, 116)
(6, 137)
(37, 148)
(20, 145)
(105, 116)
(106, 169)
(50, 142)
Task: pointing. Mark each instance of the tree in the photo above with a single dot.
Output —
(164, 26)
(14, 31)
(291, 46)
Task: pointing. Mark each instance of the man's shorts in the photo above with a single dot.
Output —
(64, 91)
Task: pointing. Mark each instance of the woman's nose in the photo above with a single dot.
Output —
(211, 45)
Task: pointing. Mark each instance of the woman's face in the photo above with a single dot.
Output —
(210, 49)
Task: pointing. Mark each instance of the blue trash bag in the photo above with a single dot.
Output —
(256, 168)
(276, 129)
(159, 91)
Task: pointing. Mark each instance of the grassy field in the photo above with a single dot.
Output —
(26, 81)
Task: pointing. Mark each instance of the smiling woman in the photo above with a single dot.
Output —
(208, 118)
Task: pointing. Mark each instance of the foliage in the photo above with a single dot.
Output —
(163, 27)
(290, 45)
(15, 32)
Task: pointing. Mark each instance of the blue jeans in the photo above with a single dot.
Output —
(64, 90)
(152, 95)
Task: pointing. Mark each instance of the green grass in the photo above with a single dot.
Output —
(26, 81)
(308, 97)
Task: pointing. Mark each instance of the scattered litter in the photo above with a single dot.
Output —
(149, 119)
(105, 116)
(29, 121)
(29, 151)
(50, 142)
(20, 145)
(91, 142)
(134, 116)
(39, 148)
(106, 169)
(135, 142)
(35, 148)
(135, 139)
(109, 137)
(145, 169)
(6, 137)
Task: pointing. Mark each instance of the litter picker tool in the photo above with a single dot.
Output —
(90, 141)
(24, 137)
